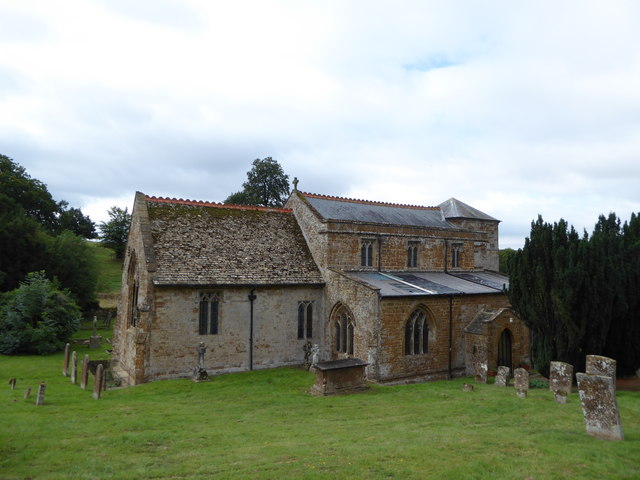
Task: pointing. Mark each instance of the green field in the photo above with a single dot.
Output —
(264, 425)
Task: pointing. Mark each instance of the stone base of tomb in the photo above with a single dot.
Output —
(340, 377)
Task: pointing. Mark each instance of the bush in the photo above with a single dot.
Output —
(37, 317)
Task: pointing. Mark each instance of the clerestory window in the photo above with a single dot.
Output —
(456, 254)
(209, 312)
(412, 254)
(366, 253)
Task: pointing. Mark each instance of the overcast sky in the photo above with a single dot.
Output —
(517, 108)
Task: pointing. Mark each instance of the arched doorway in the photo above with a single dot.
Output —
(504, 349)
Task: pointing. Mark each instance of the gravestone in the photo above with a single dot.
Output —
(599, 406)
(12, 383)
(65, 365)
(481, 371)
(95, 340)
(467, 387)
(27, 393)
(560, 380)
(502, 378)
(521, 382)
(200, 373)
(599, 365)
(40, 398)
(97, 381)
(84, 375)
(307, 355)
(74, 367)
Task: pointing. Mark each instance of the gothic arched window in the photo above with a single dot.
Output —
(416, 333)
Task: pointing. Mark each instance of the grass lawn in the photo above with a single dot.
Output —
(109, 268)
(263, 425)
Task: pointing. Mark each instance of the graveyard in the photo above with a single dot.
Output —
(266, 424)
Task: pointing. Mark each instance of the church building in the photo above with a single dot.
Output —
(412, 291)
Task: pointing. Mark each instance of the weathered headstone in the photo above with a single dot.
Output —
(502, 378)
(307, 355)
(599, 406)
(74, 367)
(200, 373)
(481, 371)
(467, 387)
(27, 393)
(561, 380)
(40, 399)
(95, 340)
(521, 382)
(97, 381)
(65, 365)
(599, 365)
(12, 383)
(84, 375)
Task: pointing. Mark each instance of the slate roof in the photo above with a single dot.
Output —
(454, 208)
(209, 244)
(406, 284)
(364, 211)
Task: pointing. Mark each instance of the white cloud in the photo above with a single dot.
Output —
(514, 108)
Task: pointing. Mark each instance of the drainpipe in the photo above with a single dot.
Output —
(450, 331)
(251, 297)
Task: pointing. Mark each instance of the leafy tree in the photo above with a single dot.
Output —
(116, 230)
(505, 257)
(73, 220)
(31, 194)
(37, 317)
(266, 185)
(72, 261)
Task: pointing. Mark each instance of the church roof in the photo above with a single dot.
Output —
(351, 210)
(408, 284)
(454, 208)
(209, 244)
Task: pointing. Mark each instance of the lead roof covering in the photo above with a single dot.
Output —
(403, 284)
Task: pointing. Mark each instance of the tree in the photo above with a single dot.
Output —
(116, 230)
(37, 317)
(578, 295)
(72, 262)
(266, 185)
(73, 220)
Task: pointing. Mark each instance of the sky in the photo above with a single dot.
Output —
(518, 109)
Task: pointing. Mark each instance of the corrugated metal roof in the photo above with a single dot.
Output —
(372, 212)
(454, 208)
(402, 284)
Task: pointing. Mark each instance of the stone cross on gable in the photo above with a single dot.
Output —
(295, 183)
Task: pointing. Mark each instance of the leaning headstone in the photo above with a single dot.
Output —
(521, 382)
(65, 365)
(560, 380)
(481, 371)
(27, 393)
(74, 367)
(40, 399)
(599, 406)
(12, 383)
(502, 378)
(97, 381)
(599, 365)
(84, 375)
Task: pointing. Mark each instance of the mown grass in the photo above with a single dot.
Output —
(264, 425)
(109, 269)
